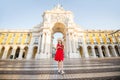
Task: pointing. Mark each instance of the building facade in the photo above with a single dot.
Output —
(36, 43)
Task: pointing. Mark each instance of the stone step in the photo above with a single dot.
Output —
(75, 69)
(82, 76)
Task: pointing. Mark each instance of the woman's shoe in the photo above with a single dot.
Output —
(59, 71)
(62, 72)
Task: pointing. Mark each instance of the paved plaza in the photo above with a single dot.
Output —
(75, 69)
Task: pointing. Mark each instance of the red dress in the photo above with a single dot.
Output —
(59, 56)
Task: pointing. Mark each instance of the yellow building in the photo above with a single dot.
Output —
(79, 43)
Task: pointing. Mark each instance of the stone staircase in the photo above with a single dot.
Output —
(75, 69)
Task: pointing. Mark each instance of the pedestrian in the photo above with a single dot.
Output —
(59, 56)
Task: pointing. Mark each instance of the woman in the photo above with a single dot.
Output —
(59, 56)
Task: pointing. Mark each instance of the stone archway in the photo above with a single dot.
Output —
(35, 49)
(25, 52)
(81, 51)
(97, 51)
(104, 51)
(89, 48)
(58, 28)
(17, 53)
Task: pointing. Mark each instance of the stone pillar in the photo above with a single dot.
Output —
(30, 49)
(72, 43)
(85, 52)
(49, 45)
(37, 56)
(67, 45)
(76, 44)
(46, 43)
(5, 53)
(43, 43)
(74, 49)
(21, 53)
(93, 51)
(100, 51)
(39, 45)
(70, 48)
(13, 52)
(114, 52)
(107, 51)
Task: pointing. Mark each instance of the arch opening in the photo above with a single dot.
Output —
(58, 31)
(35, 49)
(17, 53)
(104, 51)
(89, 49)
(97, 51)
(25, 52)
(80, 50)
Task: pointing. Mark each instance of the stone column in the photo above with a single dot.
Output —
(39, 44)
(46, 43)
(85, 52)
(74, 38)
(71, 40)
(21, 53)
(5, 53)
(107, 51)
(49, 45)
(93, 51)
(67, 45)
(77, 45)
(100, 51)
(70, 48)
(30, 49)
(37, 56)
(13, 52)
(43, 43)
(114, 52)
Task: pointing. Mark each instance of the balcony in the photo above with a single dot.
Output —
(102, 42)
(88, 42)
(79, 42)
(95, 42)
(35, 42)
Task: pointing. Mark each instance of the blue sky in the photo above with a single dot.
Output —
(90, 14)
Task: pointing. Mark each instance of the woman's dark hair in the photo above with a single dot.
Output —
(60, 41)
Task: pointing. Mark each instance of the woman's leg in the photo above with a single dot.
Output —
(59, 66)
(62, 67)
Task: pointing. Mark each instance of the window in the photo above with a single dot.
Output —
(21, 34)
(93, 34)
(87, 35)
(12, 40)
(99, 34)
(13, 34)
(79, 41)
(4, 40)
(36, 40)
(19, 40)
(27, 39)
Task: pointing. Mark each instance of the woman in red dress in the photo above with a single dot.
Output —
(59, 56)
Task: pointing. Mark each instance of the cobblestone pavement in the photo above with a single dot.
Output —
(75, 69)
